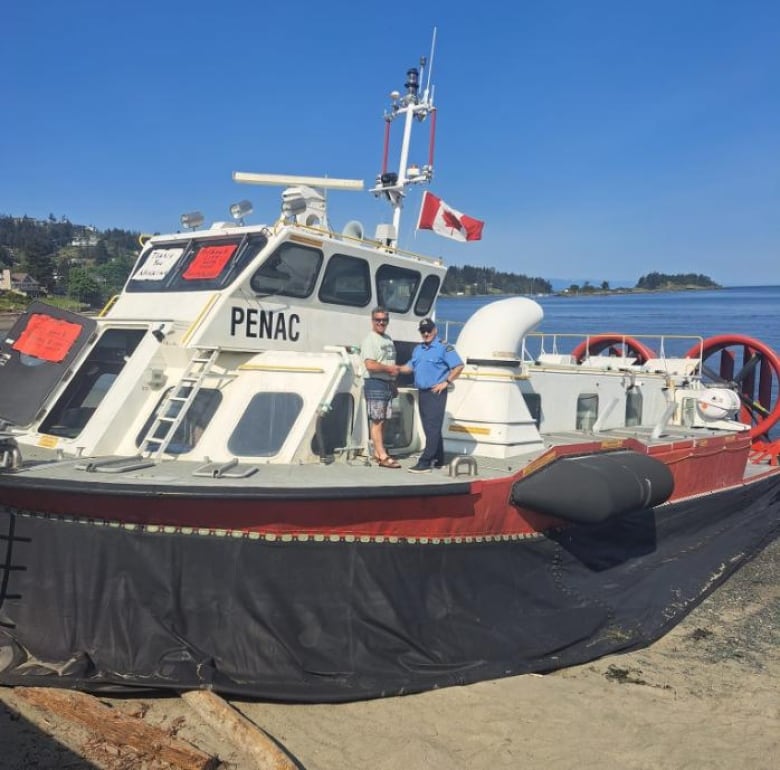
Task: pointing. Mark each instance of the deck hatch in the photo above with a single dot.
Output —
(229, 470)
(33, 363)
(114, 464)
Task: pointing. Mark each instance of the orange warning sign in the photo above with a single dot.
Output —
(47, 338)
(208, 262)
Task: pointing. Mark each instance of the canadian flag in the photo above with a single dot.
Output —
(436, 215)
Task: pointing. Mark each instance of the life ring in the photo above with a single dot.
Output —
(615, 344)
(757, 381)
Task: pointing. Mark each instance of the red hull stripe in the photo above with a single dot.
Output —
(478, 508)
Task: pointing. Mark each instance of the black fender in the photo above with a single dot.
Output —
(589, 489)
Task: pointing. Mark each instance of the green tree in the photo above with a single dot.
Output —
(83, 287)
(99, 252)
(679, 280)
(39, 258)
(114, 273)
(487, 280)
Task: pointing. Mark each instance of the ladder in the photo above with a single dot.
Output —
(174, 408)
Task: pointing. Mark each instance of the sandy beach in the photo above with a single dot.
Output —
(704, 696)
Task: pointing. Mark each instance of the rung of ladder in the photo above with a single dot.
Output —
(189, 383)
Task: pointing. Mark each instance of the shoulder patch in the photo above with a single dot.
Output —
(449, 348)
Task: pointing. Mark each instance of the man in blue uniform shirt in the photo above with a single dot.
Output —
(435, 365)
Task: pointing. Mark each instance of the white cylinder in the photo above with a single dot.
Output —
(718, 403)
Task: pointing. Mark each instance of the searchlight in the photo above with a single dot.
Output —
(192, 220)
(240, 210)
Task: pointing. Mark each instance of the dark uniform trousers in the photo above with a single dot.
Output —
(432, 407)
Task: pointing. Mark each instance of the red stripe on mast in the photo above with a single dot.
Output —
(432, 140)
(387, 146)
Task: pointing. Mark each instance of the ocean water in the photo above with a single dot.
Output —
(752, 311)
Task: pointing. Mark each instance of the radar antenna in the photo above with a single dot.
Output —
(304, 199)
(283, 180)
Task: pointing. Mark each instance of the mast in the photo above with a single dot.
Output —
(412, 105)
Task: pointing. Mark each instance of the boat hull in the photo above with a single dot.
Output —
(96, 606)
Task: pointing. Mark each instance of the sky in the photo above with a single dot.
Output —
(598, 140)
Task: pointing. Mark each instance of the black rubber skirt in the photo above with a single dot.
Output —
(104, 608)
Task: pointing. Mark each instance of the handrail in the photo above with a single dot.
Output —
(539, 343)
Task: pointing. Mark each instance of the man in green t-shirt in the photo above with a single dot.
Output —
(378, 353)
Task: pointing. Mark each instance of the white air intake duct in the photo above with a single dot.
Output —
(496, 331)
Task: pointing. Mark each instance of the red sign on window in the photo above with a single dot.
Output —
(208, 262)
(47, 338)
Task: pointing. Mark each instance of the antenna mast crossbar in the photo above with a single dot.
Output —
(410, 105)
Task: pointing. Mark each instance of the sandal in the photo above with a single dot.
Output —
(388, 462)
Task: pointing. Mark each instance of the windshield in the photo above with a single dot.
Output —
(202, 264)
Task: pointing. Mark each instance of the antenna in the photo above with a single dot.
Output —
(304, 199)
(414, 107)
(430, 69)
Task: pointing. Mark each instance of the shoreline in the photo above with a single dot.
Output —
(595, 292)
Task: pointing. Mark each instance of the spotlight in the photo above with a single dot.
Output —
(240, 210)
(191, 220)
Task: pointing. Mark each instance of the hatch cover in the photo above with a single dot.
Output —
(34, 357)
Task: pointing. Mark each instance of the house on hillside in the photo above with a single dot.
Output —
(87, 236)
(23, 283)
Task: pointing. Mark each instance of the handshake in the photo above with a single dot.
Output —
(394, 369)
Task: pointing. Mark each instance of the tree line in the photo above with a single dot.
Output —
(66, 259)
(654, 281)
(487, 280)
(91, 265)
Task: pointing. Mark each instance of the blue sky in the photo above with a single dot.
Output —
(598, 140)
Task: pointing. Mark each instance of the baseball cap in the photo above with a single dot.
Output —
(427, 325)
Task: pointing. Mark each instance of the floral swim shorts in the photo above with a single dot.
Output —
(378, 397)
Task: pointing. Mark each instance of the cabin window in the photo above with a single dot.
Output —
(91, 382)
(430, 289)
(335, 427)
(197, 265)
(347, 281)
(396, 287)
(265, 424)
(689, 412)
(291, 271)
(534, 403)
(191, 428)
(587, 411)
(633, 407)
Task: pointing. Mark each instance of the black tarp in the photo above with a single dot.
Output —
(95, 606)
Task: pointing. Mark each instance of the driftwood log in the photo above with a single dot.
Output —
(246, 735)
(117, 728)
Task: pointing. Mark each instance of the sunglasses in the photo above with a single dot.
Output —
(381, 320)
(429, 331)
